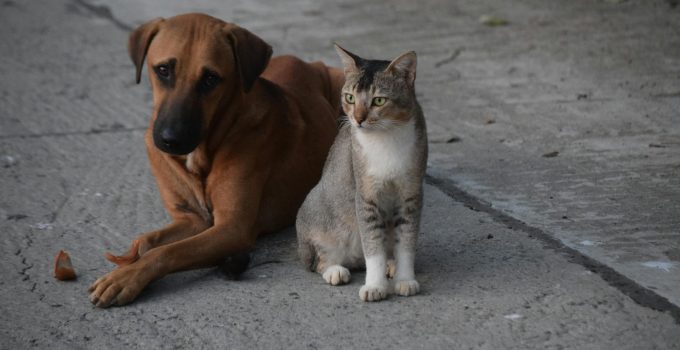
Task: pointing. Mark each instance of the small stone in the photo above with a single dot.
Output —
(513, 316)
(9, 161)
(493, 21)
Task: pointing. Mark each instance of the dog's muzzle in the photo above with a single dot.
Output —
(177, 129)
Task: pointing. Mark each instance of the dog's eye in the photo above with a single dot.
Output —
(210, 80)
(163, 70)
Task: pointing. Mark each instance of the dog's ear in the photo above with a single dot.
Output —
(139, 42)
(252, 54)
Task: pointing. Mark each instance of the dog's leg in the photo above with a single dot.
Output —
(180, 228)
(208, 248)
(234, 232)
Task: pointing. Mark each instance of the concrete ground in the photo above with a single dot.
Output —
(551, 213)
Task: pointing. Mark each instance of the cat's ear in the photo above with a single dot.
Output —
(348, 59)
(405, 63)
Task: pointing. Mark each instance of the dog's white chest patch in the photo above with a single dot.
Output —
(388, 154)
(190, 163)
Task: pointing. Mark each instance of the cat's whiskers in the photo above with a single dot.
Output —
(343, 120)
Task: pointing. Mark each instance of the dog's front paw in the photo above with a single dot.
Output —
(118, 287)
(406, 288)
(138, 247)
(372, 293)
(336, 274)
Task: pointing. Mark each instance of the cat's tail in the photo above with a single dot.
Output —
(307, 254)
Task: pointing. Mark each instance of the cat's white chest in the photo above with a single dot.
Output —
(388, 154)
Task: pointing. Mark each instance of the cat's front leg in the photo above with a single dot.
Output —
(372, 228)
(375, 288)
(405, 282)
(406, 229)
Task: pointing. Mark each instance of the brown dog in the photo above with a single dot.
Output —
(234, 147)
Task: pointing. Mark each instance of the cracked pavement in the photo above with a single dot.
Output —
(550, 216)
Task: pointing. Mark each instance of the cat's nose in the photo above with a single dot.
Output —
(360, 113)
(360, 118)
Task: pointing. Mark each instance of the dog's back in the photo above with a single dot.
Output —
(306, 79)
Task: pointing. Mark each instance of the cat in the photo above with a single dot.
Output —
(365, 210)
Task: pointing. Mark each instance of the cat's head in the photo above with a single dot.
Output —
(378, 95)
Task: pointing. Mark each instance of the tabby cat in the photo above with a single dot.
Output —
(365, 211)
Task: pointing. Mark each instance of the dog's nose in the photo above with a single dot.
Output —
(177, 138)
(169, 138)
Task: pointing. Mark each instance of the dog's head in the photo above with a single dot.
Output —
(196, 64)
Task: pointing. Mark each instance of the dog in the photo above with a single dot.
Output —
(236, 141)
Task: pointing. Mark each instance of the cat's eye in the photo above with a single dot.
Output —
(379, 101)
(349, 98)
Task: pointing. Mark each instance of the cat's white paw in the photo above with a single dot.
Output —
(406, 288)
(391, 268)
(336, 274)
(372, 293)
